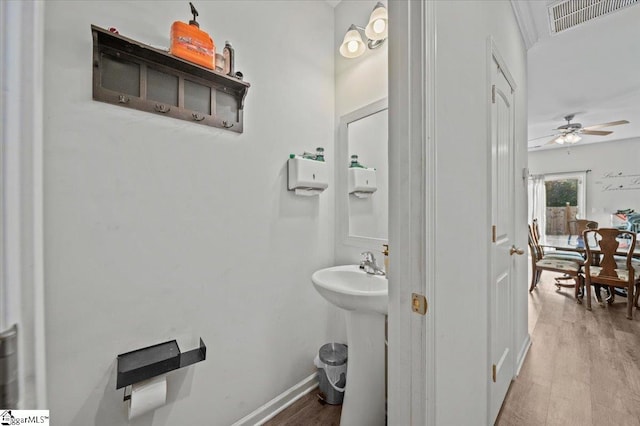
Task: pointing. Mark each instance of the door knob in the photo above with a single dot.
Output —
(514, 250)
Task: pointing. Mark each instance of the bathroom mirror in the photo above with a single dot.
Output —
(363, 219)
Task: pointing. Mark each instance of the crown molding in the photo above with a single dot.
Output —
(526, 23)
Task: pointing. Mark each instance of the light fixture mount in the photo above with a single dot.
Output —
(374, 44)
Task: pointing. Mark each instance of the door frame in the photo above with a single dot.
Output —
(493, 55)
(21, 121)
(412, 199)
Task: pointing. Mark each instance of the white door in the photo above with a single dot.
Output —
(502, 356)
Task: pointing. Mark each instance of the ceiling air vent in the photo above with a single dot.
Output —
(569, 13)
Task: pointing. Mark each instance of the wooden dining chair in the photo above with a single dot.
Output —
(581, 225)
(601, 266)
(540, 263)
(536, 230)
(555, 254)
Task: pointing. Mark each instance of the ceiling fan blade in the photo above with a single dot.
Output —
(542, 137)
(552, 141)
(612, 123)
(595, 132)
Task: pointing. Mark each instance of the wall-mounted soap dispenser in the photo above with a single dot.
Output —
(308, 173)
(361, 180)
(189, 42)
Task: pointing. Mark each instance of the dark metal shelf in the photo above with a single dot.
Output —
(152, 361)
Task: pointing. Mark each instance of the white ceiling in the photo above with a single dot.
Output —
(592, 70)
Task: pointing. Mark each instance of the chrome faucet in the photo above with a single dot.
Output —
(369, 265)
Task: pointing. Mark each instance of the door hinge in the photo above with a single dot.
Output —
(493, 233)
(419, 304)
(493, 373)
(493, 94)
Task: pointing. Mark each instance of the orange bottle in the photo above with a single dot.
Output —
(189, 42)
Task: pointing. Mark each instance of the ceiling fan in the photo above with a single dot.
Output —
(570, 133)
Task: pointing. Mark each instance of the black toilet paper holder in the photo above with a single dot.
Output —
(143, 364)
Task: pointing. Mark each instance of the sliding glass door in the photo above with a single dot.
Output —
(565, 202)
(557, 200)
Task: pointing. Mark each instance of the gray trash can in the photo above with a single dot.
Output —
(332, 371)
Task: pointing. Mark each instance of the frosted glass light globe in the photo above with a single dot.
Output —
(352, 46)
(379, 25)
(377, 28)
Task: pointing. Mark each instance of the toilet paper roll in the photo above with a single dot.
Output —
(147, 396)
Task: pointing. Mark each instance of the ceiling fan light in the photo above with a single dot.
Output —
(572, 138)
(561, 139)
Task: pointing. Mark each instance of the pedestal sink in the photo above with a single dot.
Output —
(364, 297)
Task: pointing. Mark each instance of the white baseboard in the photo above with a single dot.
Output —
(279, 403)
(523, 353)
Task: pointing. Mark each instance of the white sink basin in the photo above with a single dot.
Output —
(350, 288)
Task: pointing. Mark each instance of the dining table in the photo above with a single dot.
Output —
(576, 244)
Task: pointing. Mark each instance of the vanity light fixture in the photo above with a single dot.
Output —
(352, 45)
(377, 28)
(376, 33)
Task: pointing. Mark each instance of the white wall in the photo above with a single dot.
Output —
(612, 164)
(158, 229)
(463, 202)
(359, 82)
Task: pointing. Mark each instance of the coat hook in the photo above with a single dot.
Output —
(225, 124)
(162, 108)
(197, 116)
(123, 99)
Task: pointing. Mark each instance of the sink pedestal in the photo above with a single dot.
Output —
(364, 298)
(364, 396)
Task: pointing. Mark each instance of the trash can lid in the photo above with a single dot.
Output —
(333, 353)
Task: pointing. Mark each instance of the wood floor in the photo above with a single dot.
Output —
(583, 368)
(308, 411)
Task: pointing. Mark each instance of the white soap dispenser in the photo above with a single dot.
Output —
(385, 252)
(361, 180)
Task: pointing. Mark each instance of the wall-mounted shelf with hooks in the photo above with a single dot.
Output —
(134, 75)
